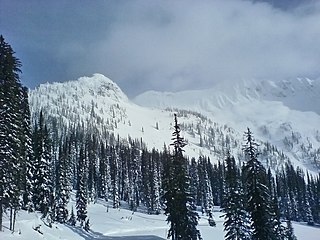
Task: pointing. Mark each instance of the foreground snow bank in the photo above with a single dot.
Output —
(119, 224)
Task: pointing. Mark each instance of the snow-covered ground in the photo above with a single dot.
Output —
(121, 224)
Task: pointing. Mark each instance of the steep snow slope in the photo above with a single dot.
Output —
(212, 120)
(99, 102)
(284, 113)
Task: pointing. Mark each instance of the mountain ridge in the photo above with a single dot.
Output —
(208, 119)
(270, 90)
(275, 110)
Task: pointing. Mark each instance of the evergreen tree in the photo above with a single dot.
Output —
(42, 175)
(87, 225)
(279, 229)
(206, 190)
(27, 154)
(72, 220)
(11, 131)
(115, 179)
(62, 189)
(283, 195)
(92, 158)
(237, 219)
(103, 172)
(308, 212)
(81, 195)
(134, 173)
(216, 177)
(313, 198)
(156, 183)
(151, 182)
(178, 200)
(194, 179)
(290, 234)
(258, 196)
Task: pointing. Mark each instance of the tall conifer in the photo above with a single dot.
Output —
(42, 176)
(82, 194)
(178, 200)
(258, 195)
(11, 120)
(237, 219)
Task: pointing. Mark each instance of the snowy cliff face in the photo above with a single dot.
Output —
(211, 120)
(79, 101)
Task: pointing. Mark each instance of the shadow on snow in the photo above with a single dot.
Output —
(92, 235)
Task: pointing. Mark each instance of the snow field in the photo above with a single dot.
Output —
(121, 224)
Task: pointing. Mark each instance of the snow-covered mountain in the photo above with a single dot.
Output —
(284, 116)
(283, 113)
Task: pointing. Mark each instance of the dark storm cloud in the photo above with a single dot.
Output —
(163, 45)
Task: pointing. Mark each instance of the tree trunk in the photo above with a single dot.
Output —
(11, 219)
(1, 213)
(14, 219)
(13, 214)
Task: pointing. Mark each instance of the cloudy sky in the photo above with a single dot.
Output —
(163, 44)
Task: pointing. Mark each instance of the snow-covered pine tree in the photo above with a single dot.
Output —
(82, 195)
(258, 196)
(108, 173)
(134, 176)
(290, 233)
(72, 220)
(102, 172)
(206, 190)
(92, 157)
(301, 195)
(313, 197)
(27, 154)
(42, 176)
(145, 176)
(73, 157)
(237, 219)
(151, 180)
(308, 212)
(279, 229)
(194, 179)
(216, 177)
(22, 171)
(114, 168)
(11, 130)
(62, 188)
(291, 184)
(283, 195)
(179, 203)
(125, 182)
(156, 182)
(87, 225)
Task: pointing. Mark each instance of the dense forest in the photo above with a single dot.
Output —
(41, 165)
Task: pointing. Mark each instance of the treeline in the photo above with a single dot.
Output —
(119, 170)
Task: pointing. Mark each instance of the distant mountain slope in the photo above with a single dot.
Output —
(300, 94)
(100, 103)
(284, 113)
(212, 121)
